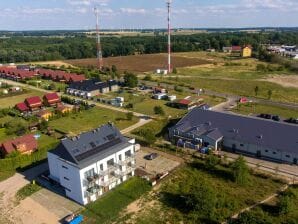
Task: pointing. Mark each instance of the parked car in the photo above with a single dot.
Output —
(151, 156)
(266, 116)
(276, 118)
(292, 120)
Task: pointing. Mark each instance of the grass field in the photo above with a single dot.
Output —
(107, 209)
(27, 191)
(243, 88)
(257, 109)
(143, 103)
(282, 209)
(141, 63)
(169, 204)
(90, 119)
(6, 174)
(13, 100)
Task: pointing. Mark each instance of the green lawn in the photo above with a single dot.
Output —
(11, 101)
(44, 84)
(90, 119)
(252, 108)
(107, 208)
(4, 136)
(230, 196)
(47, 142)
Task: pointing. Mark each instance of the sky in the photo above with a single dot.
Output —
(138, 14)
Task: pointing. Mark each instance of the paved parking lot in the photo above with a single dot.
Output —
(160, 164)
(55, 203)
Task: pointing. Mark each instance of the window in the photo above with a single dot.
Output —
(288, 156)
(64, 167)
(65, 178)
(241, 145)
(266, 150)
(101, 166)
(67, 189)
(274, 153)
(89, 173)
(120, 157)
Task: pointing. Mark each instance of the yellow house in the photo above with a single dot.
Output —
(246, 51)
(64, 109)
(45, 114)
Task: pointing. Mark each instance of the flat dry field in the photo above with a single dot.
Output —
(141, 63)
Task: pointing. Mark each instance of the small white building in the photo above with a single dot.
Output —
(162, 71)
(160, 96)
(92, 163)
(172, 98)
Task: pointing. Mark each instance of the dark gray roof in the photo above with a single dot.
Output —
(88, 85)
(266, 133)
(90, 147)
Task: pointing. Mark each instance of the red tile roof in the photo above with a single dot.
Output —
(22, 107)
(23, 144)
(52, 98)
(236, 48)
(34, 101)
(185, 102)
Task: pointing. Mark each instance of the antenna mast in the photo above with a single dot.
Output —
(169, 35)
(98, 42)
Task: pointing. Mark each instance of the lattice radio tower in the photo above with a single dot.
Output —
(98, 41)
(169, 35)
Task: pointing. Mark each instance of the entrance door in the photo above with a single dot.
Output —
(259, 154)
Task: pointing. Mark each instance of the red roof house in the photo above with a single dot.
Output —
(51, 99)
(33, 102)
(25, 145)
(22, 107)
(236, 48)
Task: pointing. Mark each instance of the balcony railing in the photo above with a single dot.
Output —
(127, 160)
(112, 179)
(94, 189)
(93, 178)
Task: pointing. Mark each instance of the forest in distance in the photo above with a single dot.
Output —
(15, 49)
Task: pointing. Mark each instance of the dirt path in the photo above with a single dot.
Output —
(9, 188)
(269, 198)
(286, 80)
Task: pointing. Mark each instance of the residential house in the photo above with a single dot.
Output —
(246, 51)
(227, 49)
(255, 136)
(63, 109)
(92, 163)
(25, 145)
(22, 107)
(44, 114)
(33, 103)
(51, 99)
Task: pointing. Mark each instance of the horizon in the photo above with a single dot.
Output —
(34, 15)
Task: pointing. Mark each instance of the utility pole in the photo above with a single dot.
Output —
(169, 35)
(98, 41)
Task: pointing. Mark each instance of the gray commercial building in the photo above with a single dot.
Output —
(262, 138)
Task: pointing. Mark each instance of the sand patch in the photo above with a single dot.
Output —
(286, 81)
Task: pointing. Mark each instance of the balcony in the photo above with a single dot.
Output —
(93, 178)
(94, 189)
(112, 179)
(128, 159)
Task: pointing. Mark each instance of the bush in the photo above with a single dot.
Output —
(129, 116)
(159, 110)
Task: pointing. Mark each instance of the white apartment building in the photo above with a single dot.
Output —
(92, 163)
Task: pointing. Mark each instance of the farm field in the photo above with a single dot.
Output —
(90, 119)
(141, 63)
(11, 101)
(256, 109)
(172, 208)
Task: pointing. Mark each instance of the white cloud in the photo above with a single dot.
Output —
(133, 11)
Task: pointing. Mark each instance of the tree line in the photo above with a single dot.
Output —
(26, 49)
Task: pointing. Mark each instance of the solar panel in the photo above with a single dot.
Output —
(98, 149)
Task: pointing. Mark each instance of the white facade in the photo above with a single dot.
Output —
(87, 184)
